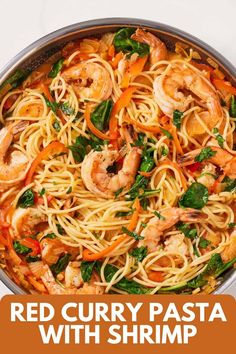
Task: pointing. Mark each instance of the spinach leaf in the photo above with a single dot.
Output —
(204, 243)
(61, 264)
(232, 224)
(101, 115)
(186, 230)
(167, 133)
(79, 148)
(206, 153)
(56, 68)
(132, 234)
(230, 184)
(16, 79)
(123, 42)
(26, 199)
(139, 253)
(214, 265)
(219, 137)
(177, 117)
(140, 140)
(69, 190)
(197, 282)
(232, 110)
(130, 286)
(21, 249)
(87, 270)
(32, 259)
(195, 197)
(52, 105)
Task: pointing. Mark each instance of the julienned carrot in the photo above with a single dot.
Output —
(147, 174)
(6, 240)
(88, 256)
(46, 92)
(142, 126)
(156, 276)
(224, 85)
(114, 62)
(134, 69)
(36, 284)
(168, 163)
(55, 147)
(90, 125)
(111, 51)
(122, 102)
(172, 129)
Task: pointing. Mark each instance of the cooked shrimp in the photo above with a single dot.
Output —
(90, 80)
(14, 164)
(73, 276)
(52, 249)
(176, 244)
(169, 217)
(158, 49)
(55, 288)
(26, 221)
(99, 181)
(222, 158)
(230, 250)
(168, 94)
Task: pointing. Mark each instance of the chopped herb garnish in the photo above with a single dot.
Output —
(204, 243)
(177, 117)
(52, 105)
(121, 214)
(67, 109)
(159, 215)
(232, 224)
(51, 236)
(164, 150)
(219, 137)
(42, 192)
(32, 259)
(187, 230)
(26, 199)
(232, 110)
(60, 229)
(206, 153)
(56, 68)
(132, 234)
(195, 251)
(118, 192)
(167, 133)
(56, 125)
(139, 253)
(69, 190)
(21, 249)
(230, 184)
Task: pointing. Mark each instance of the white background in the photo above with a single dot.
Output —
(24, 21)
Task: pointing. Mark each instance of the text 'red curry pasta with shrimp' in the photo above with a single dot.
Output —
(118, 170)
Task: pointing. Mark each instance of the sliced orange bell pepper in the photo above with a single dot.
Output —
(55, 147)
